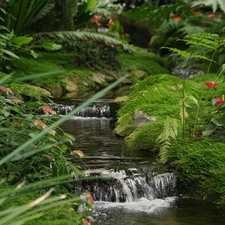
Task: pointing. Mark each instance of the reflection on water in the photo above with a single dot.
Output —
(102, 148)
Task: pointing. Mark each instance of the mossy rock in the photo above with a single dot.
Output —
(144, 138)
(158, 96)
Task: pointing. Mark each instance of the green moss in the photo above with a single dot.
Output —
(145, 61)
(49, 62)
(201, 162)
(145, 137)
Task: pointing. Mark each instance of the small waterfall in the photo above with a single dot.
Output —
(129, 186)
(98, 111)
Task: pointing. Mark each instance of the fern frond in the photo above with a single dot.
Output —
(73, 36)
(169, 130)
(206, 40)
(189, 55)
(163, 151)
(212, 3)
(193, 99)
(183, 114)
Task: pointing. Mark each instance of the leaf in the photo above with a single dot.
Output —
(5, 113)
(51, 46)
(207, 132)
(73, 36)
(21, 40)
(212, 3)
(9, 53)
(218, 122)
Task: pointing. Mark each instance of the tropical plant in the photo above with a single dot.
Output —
(205, 114)
(42, 159)
(212, 3)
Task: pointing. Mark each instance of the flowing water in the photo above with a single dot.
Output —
(128, 187)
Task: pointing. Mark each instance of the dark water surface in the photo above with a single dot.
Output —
(103, 149)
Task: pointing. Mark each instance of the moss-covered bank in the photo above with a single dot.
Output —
(193, 148)
(76, 80)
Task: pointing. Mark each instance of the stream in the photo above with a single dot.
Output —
(130, 187)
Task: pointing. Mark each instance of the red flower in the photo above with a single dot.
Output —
(47, 110)
(211, 84)
(177, 18)
(194, 12)
(97, 25)
(110, 23)
(219, 101)
(212, 15)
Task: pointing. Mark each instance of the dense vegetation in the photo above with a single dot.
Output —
(57, 47)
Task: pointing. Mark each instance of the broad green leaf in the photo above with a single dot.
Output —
(207, 132)
(21, 40)
(218, 122)
(51, 46)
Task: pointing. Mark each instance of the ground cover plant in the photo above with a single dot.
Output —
(188, 129)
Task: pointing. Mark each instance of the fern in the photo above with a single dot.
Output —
(189, 55)
(169, 132)
(73, 36)
(212, 3)
(206, 40)
(185, 105)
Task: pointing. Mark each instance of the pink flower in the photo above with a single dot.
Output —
(90, 198)
(85, 222)
(5, 89)
(45, 91)
(47, 110)
(39, 123)
(211, 84)
(79, 152)
(212, 15)
(96, 17)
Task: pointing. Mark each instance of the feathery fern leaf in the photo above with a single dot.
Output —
(73, 36)
(189, 55)
(212, 3)
(169, 131)
(206, 40)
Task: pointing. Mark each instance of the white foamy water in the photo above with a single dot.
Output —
(141, 205)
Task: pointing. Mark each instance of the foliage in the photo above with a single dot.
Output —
(24, 13)
(94, 55)
(74, 36)
(201, 163)
(148, 62)
(38, 159)
(211, 3)
(169, 132)
(143, 138)
(5, 54)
